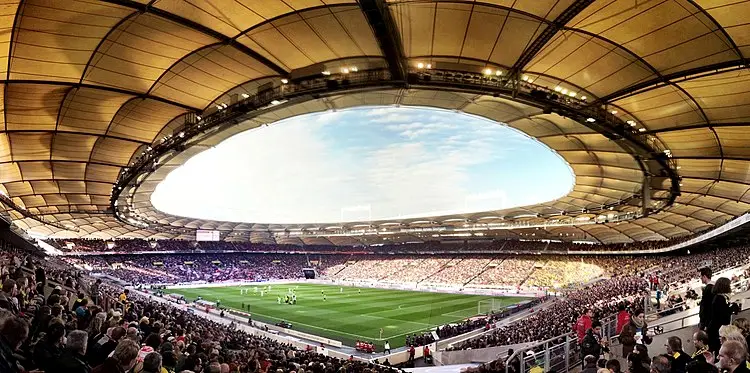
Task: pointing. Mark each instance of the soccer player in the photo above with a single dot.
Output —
(261, 293)
(278, 299)
(255, 290)
(324, 297)
(294, 298)
(359, 291)
(341, 290)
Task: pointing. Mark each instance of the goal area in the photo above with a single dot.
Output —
(487, 306)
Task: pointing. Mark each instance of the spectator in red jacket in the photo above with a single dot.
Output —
(583, 324)
(623, 317)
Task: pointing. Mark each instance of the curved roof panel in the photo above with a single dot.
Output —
(88, 87)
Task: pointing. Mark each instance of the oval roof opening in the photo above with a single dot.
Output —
(363, 164)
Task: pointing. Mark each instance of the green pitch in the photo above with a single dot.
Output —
(350, 315)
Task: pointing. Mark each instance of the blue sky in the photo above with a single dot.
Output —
(365, 163)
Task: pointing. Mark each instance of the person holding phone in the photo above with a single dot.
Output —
(635, 332)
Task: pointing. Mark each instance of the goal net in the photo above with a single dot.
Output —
(487, 306)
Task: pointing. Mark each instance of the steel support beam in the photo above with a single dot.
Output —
(547, 34)
(387, 35)
(708, 69)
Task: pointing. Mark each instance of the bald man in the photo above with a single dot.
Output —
(732, 357)
(700, 340)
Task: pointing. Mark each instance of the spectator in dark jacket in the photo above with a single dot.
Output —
(7, 296)
(12, 334)
(589, 364)
(152, 363)
(105, 346)
(50, 348)
(720, 312)
(122, 360)
(634, 332)
(732, 357)
(591, 343)
(707, 298)
(73, 359)
(660, 364)
(678, 358)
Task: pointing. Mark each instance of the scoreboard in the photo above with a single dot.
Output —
(206, 235)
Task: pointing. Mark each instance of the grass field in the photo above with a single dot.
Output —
(350, 315)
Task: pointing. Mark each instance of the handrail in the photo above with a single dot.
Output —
(520, 353)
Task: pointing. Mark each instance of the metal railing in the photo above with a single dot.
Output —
(560, 353)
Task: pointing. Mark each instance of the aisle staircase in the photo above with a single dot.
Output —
(484, 269)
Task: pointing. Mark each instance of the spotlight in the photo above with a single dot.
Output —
(429, 65)
(572, 94)
(583, 98)
(354, 69)
(614, 112)
(487, 71)
(564, 91)
(284, 81)
(631, 123)
(558, 89)
(420, 65)
(326, 72)
(525, 78)
(590, 120)
(245, 95)
(345, 70)
(641, 130)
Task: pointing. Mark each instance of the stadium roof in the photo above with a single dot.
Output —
(90, 86)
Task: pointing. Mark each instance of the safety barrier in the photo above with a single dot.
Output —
(559, 353)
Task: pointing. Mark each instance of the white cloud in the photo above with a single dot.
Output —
(392, 118)
(300, 171)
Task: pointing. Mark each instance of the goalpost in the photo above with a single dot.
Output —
(487, 306)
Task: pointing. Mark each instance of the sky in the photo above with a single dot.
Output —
(365, 164)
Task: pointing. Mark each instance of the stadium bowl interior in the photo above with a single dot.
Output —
(648, 103)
